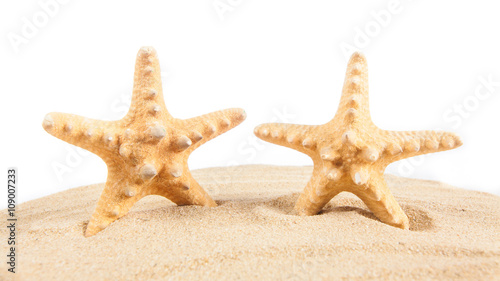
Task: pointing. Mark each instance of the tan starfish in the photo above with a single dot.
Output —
(350, 153)
(146, 152)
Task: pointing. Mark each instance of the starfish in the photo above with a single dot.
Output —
(146, 152)
(350, 153)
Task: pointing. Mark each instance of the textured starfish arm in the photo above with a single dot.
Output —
(378, 198)
(147, 95)
(95, 136)
(115, 201)
(298, 137)
(354, 103)
(185, 191)
(317, 193)
(208, 126)
(402, 145)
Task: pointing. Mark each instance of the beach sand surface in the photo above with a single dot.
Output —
(253, 235)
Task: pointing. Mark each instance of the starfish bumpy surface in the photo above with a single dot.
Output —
(350, 153)
(146, 152)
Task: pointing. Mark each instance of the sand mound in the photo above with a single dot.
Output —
(454, 234)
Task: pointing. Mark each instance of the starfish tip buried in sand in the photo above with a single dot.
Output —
(146, 152)
(350, 153)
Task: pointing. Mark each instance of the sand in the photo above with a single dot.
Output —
(454, 235)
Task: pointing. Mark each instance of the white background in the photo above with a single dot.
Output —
(281, 61)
